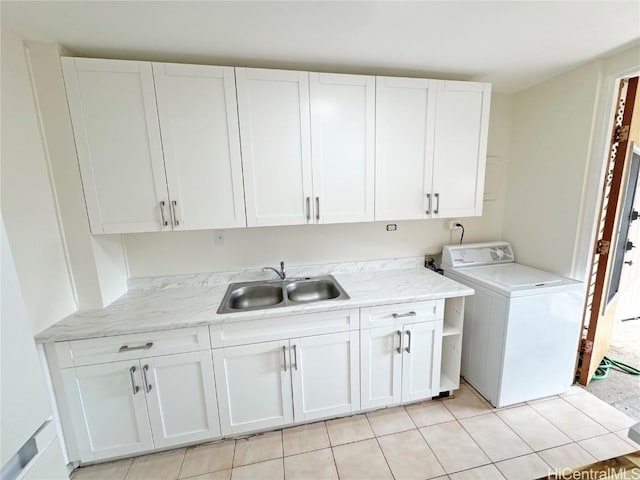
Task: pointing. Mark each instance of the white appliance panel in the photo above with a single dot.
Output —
(521, 328)
(24, 403)
(540, 346)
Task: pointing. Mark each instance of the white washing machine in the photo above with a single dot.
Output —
(522, 326)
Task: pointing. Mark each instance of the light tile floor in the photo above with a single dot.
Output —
(458, 438)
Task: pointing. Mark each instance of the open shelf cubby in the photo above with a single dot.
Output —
(451, 344)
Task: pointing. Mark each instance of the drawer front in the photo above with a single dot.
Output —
(282, 328)
(402, 314)
(138, 345)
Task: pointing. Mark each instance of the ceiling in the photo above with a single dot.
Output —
(514, 44)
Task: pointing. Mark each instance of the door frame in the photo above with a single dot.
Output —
(604, 233)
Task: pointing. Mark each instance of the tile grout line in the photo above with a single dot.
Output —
(380, 446)
(182, 463)
(432, 452)
(567, 434)
(594, 419)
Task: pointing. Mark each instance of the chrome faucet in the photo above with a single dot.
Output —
(282, 274)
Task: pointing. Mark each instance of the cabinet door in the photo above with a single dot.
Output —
(460, 148)
(381, 357)
(326, 375)
(421, 354)
(273, 108)
(181, 395)
(199, 124)
(405, 116)
(254, 386)
(107, 403)
(342, 146)
(115, 124)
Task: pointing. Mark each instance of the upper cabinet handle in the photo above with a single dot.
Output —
(318, 208)
(308, 208)
(437, 195)
(408, 314)
(174, 203)
(127, 348)
(164, 220)
(429, 201)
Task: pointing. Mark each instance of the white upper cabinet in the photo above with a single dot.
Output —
(431, 142)
(158, 145)
(342, 146)
(405, 116)
(201, 143)
(460, 148)
(273, 107)
(115, 124)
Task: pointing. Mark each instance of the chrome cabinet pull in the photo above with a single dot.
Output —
(437, 195)
(429, 207)
(127, 348)
(174, 203)
(284, 357)
(308, 200)
(134, 387)
(399, 349)
(145, 369)
(408, 314)
(295, 357)
(408, 349)
(318, 208)
(164, 220)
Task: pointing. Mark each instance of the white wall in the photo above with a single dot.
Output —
(27, 198)
(558, 146)
(191, 252)
(551, 136)
(97, 264)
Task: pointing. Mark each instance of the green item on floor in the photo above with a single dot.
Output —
(608, 363)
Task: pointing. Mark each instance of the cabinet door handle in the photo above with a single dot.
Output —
(317, 208)
(295, 357)
(127, 348)
(408, 314)
(134, 387)
(408, 349)
(308, 200)
(145, 369)
(284, 357)
(164, 220)
(437, 195)
(428, 210)
(399, 349)
(174, 204)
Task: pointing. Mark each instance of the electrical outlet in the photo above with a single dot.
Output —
(452, 224)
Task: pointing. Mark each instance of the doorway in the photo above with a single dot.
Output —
(613, 271)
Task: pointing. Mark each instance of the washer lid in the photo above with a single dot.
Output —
(513, 275)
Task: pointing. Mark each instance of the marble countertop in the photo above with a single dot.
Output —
(166, 303)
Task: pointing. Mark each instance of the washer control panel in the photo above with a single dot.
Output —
(475, 254)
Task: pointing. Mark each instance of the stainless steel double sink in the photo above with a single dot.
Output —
(244, 296)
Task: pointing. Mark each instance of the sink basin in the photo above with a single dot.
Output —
(312, 291)
(255, 296)
(241, 297)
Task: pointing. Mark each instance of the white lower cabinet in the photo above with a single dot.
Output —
(401, 352)
(400, 363)
(181, 396)
(124, 395)
(110, 416)
(126, 407)
(272, 384)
